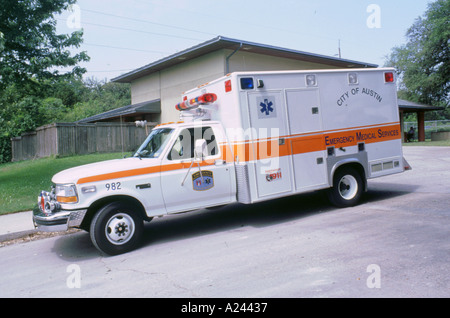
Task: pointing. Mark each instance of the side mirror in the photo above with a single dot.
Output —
(201, 149)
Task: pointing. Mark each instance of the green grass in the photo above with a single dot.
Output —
(21, 182)
(443, 143)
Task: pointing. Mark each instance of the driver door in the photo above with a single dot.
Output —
(192, 182)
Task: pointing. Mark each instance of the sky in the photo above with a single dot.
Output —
(123, 35)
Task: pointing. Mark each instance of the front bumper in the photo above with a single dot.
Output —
(49, 217)
(58, 221)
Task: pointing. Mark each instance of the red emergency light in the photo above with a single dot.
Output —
(389, 77)
(197, 101)
(228, 86)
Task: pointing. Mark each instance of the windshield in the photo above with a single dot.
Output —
(154, 144)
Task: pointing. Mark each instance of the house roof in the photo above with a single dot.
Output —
(221, 42)
(149, 107)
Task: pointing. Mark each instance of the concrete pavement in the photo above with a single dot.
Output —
(16, 225)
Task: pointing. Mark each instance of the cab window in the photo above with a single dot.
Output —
(183, 148)
(154, 144)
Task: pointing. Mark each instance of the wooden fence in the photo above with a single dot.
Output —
(67, 139)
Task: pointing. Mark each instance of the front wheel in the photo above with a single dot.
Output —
(347, 188)
(116, 229)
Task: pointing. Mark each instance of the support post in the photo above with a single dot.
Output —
(421, 125)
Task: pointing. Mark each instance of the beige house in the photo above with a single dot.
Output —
(157, 87)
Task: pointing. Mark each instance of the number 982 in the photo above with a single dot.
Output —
(113, 186)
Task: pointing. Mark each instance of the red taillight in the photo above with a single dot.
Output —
(388, 77)
(195, 102)
(227, 86)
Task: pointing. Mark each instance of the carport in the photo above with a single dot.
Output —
(420, 109)
(129, 113)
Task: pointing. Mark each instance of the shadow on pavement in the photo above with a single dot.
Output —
(232, 217)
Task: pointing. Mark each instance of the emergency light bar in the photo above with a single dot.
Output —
(197, 101)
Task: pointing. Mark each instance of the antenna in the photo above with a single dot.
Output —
(339, 47)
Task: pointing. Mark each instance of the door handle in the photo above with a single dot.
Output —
(219, 162)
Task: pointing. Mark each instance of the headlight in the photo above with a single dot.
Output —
(66, 193)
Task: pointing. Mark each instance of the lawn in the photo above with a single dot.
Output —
(21, 182)
(442, 143)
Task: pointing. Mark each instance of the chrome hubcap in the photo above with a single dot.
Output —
(119, 229)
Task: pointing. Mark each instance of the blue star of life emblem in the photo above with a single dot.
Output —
(266, 107)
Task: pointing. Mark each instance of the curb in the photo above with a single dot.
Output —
(16, 235)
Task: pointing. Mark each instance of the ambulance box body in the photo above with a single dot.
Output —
(289, 131)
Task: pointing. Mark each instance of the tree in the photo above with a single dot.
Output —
(32, 50)
(98, 97)
(2, 41)
(32, 55)
(423, 62)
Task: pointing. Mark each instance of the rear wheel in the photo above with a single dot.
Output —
(347, 188)
(116, 228)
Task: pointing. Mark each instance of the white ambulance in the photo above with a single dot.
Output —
(246, 137)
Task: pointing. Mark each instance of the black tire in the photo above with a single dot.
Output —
(347, 188)
(116, 228)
